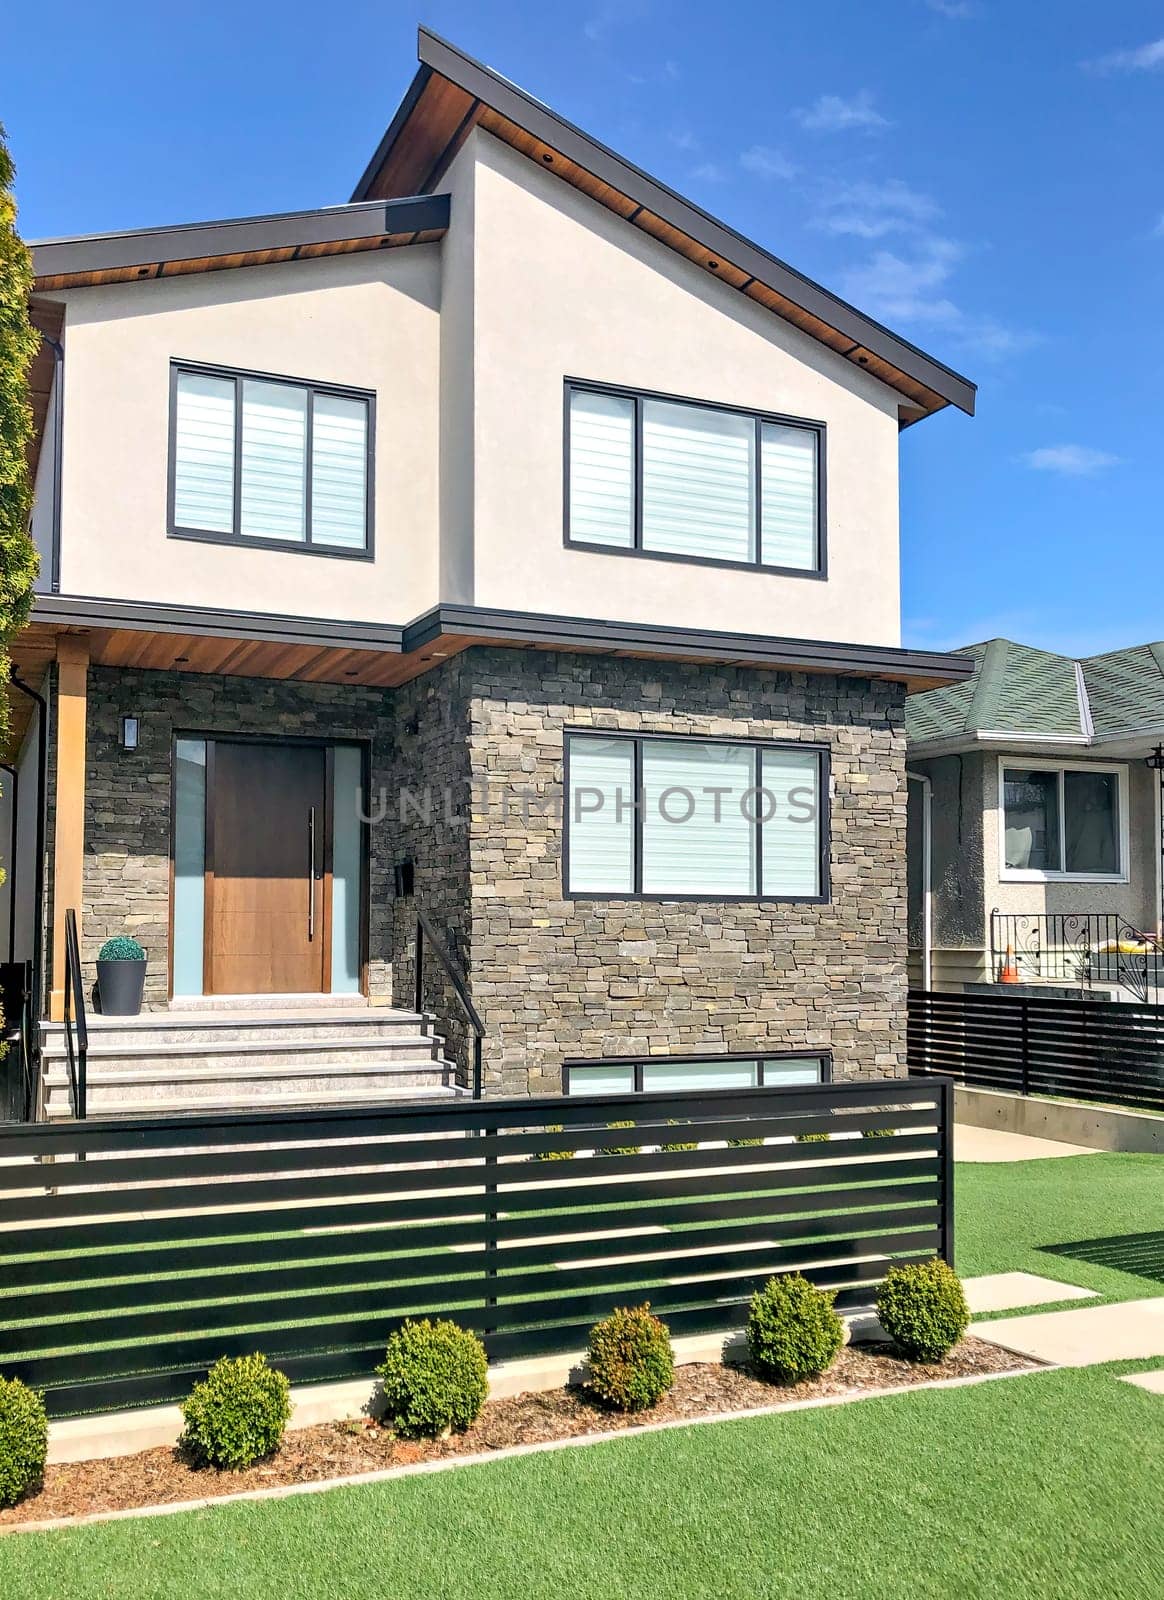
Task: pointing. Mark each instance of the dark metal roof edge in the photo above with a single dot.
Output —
(560, 632)
(403, 111)
(438, 55)
(188, 241)
(514, 627)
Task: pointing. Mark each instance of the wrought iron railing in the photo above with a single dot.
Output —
(426, 933)
(1084, 948)
(76, 1025)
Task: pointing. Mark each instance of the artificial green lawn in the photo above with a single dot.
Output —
(1035, 1488)
(1007, 1214)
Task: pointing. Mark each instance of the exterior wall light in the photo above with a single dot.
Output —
(129, 727)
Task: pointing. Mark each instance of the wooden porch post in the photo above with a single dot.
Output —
(69, 808)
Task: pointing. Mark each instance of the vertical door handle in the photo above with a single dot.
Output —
(310, 873)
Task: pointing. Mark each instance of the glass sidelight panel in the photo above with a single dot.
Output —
(189, 863)
(345, 878)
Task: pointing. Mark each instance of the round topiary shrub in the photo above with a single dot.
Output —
(923, 1310)
(122, 948)
(878, 1133)
(622, 1149)
(793, 1331)
(23, 1440)
(632, 1364)
(435, 1379)
(554, 1155)
(237, 1414)
(673, 1122)
(813, 1138)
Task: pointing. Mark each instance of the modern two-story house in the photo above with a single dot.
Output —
(514, 544)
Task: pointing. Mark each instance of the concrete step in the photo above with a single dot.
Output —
(158, 1060)
(251, 1088)
(173, 1105)
(161, 1031)
(209, 1003)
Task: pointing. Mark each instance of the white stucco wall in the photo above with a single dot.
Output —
(369, 319)
(565, 288)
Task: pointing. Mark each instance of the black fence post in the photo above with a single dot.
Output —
(1025, 1045)
(490, 1223)
(946, 1145)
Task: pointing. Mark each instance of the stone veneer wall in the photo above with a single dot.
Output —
(127, 792)
(557, 979)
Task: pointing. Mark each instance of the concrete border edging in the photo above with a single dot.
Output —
(1065, 1121)
(286, 1491)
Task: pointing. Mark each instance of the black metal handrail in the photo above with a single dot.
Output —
(1080, 947)
(76, 1026)
(425, 931)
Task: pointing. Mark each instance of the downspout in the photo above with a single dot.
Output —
(14, 773)
(41, 809)
(927, 876)
(58, 403)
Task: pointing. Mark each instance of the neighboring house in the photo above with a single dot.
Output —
(518, 470)
(1034, 819)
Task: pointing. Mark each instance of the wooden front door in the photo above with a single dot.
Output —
(267, 848)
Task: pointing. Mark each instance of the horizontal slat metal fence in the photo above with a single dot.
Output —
(311, 1235)
(1083, 1049)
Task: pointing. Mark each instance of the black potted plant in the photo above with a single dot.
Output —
(121, 967)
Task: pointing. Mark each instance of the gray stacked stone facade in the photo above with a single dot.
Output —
(466, 772)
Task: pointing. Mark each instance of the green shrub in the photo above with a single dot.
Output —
(554, 1155)
(673, 1122)
(878, 1133)
(793, 1330)
(435, 1379)
(23, 1440)
(622, 1149)
(122, 948)
(922, 1309)
(743, 1144)
(632, 1364)
(813, 1138)
(237, 1414)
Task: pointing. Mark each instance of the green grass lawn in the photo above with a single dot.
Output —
(1017, 1216)
(1047, 1486)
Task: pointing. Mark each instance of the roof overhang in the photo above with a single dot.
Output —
(1112, 746)
(451, 94)
(148, 253)
(129, 634)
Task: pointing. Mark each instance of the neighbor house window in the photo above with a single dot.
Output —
(1062, 821)
(699, 819)
(678, 1073)
(672, 478)
(270, 461)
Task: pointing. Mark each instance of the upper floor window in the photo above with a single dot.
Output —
(270, 461)
(658, 818)
(658, 476)
(1063, 822)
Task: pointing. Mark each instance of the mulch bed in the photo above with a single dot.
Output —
(340, 1449)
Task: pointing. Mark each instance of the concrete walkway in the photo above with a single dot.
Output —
(1130, 1331)
(988, 1144)
(1007, 1291)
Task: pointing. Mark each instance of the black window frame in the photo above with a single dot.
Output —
(638, 1063)
(818, 572)
(637, 894)
(305, 546)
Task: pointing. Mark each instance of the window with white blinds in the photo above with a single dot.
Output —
(677, 1074)
(269, 461)
(658, 818)
(705, 483)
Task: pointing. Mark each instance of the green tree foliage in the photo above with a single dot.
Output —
(18, 345)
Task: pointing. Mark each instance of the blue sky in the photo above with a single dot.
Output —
(982, 175)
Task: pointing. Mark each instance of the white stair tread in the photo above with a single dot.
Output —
(227, 1047)
(162, 1108)
(324, 1016)
(306, 1069)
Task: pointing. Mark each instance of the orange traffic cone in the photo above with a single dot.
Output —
(1008, 972)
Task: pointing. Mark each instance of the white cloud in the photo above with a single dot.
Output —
(831, 113)
(764, 162)
(1145, 58)
(1070, 460)
(872, 210)
(684, 139)
(912, 287)
(957, 10)
(709, 172)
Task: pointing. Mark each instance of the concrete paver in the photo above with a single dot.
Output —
(990, 1144)
(1006, 1291)
(1130, 1331)
(1152, 1381)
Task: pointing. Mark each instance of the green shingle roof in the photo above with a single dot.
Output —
(1019, 689)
